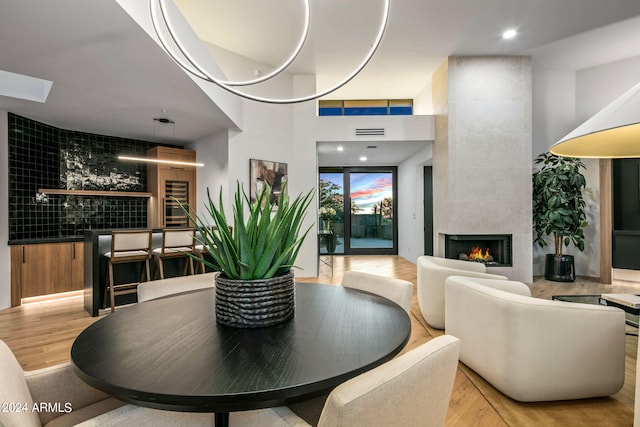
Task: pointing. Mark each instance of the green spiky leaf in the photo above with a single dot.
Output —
(264, 243)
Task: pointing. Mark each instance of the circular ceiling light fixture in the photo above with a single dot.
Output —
(198, 70)
(159, 12)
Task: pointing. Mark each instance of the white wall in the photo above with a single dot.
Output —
(553, 105)
(213, 151)
(596, 87)
(411, 204)
(305, 153)
(268, 134)
(309, 129)
(423, 102)
(5, 253)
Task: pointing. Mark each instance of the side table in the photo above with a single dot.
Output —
(329, 240)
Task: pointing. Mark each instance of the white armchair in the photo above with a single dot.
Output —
(396, 290)
(432, 273)
(411, 390)
(535, 349)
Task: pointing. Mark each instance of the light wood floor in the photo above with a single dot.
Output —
(41, 334)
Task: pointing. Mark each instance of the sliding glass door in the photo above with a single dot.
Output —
(331, 190)
(365, 221)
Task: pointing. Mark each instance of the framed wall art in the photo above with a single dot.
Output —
(265, 171)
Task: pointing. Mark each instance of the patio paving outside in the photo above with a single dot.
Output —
(359, 243)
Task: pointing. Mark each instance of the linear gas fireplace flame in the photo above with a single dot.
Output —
(477, 254)
(493, 250)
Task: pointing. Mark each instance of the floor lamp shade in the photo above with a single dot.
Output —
(614, 132)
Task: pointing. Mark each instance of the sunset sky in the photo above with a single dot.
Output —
(367, 188)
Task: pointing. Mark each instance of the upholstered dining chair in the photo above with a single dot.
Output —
(411, 390)
(396, 290)
(127, 246)
(56, 397)
(175, 285)
(176, 243)
(636, 403)
(54, 384)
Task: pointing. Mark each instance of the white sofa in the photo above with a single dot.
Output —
(432, 272)
(533, 349)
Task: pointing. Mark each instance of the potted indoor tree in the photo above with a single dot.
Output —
(559, 211)
(255, 256)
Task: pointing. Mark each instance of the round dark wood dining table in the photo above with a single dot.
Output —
(170, 353)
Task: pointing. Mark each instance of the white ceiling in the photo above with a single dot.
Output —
(378, 153)
(420, 34)
(111, 78)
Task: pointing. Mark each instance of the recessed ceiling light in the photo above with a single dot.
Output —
(340, 148)
(363, 158)
(509, 34)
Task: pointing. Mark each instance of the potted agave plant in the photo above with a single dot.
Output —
(255, 257)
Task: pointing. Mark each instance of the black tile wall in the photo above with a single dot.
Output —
(43, 156)
(90, 162)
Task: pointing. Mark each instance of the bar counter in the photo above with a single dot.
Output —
(98, 242)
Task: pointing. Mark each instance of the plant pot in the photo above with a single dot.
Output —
(255, 303)
(330, 241)
(559, 268)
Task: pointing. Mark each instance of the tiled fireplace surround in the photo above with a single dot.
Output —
(482, 154)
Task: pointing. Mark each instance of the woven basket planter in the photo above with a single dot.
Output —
(255, 303)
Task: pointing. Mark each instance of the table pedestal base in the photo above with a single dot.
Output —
(222, 419)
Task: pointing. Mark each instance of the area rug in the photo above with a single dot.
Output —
(615, 410)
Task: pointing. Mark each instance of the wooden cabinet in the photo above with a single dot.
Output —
(165, 181)
(46, 268)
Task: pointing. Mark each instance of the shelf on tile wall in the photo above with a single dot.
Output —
(94, 192)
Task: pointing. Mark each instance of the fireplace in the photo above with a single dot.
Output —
(494, 250)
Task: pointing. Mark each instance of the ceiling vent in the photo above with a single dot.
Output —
(369, 131)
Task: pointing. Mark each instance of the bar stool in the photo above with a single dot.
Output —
(201, 251)
(176, 243)
(126, 247)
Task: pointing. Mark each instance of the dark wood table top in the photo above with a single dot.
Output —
(171, 354)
